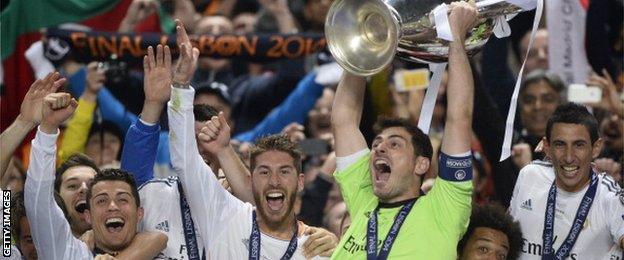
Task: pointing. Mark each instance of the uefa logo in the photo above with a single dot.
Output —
(460, 175)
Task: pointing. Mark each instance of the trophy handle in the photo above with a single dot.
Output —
(364, 36)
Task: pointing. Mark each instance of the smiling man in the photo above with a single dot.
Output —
(381, 186)
(113, 210)
(564, 207)
(230, 228)
(71, 183)
(111, 203)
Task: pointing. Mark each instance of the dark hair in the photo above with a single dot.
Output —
(100, 129)
(572, 113)
(217, 89)
(552, 79)
(420, 141)
(59, 201)
(74, 160)
(204, 112)
(106, 127)
(114, 175)
(275, 143)
(494, 216)
(18, 211)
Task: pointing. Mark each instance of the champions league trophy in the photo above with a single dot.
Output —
(365, 35)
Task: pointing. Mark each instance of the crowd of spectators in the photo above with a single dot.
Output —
(126, 124)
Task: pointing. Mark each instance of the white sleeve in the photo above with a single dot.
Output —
(50, 230)
(514, 196)
(346, 161)
(614, 205)
(211, 205)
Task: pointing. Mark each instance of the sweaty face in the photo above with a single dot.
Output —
(538, 56)
(486, 243)
(73, 191)
(213, 25)
(538, 102)
(26, 245)
(275, 183)
(103, 152)
(113, 214)
(392, 165)
(571, 152)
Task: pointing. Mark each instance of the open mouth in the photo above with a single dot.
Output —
(275, 200)
(114, 225)
(383, 170)
(81, 206)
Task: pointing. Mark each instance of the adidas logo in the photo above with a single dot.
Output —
(163, 226)
(527, 205)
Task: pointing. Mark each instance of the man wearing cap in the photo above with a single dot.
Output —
(216, 95)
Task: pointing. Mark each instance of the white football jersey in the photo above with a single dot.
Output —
(602, 230)
(160, 199)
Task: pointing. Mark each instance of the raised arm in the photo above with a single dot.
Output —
(50, 230)
(347, 113)
(280, 11)
(141, 142)
(77, 132)
(109, 106)
(215, 138)
(460, 91)
(451, 196)
(294, 108)
(212, 204)
(29, 117)
(137, 12)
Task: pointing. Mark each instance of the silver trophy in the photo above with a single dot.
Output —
(365, 35)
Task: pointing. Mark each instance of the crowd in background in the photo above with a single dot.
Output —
(294, 97)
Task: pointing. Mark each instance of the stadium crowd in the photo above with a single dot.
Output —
(187, 156)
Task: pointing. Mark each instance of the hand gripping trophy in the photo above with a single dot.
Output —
(365, 35)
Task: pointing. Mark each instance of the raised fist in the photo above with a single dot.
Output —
(57, 107)
(462, 19)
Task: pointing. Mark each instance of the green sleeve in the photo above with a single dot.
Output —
(356, 185)
(450, 204)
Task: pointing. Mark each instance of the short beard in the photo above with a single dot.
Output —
(394, 194)
(265, 218)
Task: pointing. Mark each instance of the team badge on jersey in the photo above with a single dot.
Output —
(460, 175)
(163, 226)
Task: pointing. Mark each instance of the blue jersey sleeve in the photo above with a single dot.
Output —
(295, 108)
(139, 151)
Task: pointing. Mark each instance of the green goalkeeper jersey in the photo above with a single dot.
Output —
(432, 228)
